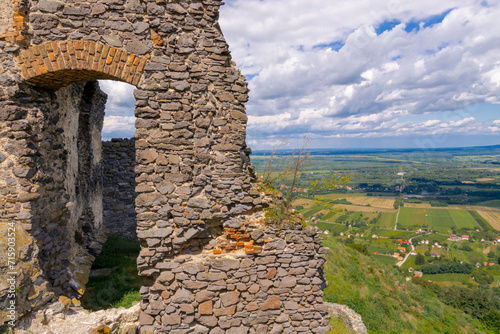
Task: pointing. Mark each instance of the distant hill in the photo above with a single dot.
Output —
(346, 151)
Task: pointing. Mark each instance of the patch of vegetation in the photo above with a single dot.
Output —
(338, 326)
(492, 204)
(447, 268)
(341, 201)
(481, 302)
(420, 260)
(360, 248)
(438, 204)
(121, 286)
(386, 302)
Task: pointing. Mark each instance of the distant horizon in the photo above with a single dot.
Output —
(270, 148)
(380, 148)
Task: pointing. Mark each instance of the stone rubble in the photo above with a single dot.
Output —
(61, 318)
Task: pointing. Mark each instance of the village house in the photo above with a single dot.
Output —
(418, 274)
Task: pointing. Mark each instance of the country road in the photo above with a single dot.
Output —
(397, 216)
(400, 263)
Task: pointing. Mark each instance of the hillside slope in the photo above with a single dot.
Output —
(386, 302)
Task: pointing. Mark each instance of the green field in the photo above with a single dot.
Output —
(387, 220)
(395, 234)
(438, 219)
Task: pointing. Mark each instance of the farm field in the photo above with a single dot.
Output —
(387, 220)
(438, 219)
(491, 215)
(376, 202)
(411, 216)
(311, 208)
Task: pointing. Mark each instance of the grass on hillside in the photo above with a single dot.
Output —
(121, 286)
(454, 278)
(386, 302)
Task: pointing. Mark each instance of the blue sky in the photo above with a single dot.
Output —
(364, 73)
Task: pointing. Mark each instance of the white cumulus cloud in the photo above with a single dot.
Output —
(335, 60)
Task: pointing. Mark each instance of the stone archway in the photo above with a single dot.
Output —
(79, 61)
(210, 264)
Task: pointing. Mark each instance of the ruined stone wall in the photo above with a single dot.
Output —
(119, 184)
(193, 177)
(256, 280)
(51, 187)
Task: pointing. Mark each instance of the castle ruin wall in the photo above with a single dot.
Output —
(197, 198)
(119, 215)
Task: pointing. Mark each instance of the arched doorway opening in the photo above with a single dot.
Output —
(114, 279)
(66, 112)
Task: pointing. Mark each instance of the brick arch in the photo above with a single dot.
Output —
(58, 64)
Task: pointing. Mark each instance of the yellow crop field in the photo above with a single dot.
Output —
(491, 215)
(485, 179)
(361, 199)
(376, 202)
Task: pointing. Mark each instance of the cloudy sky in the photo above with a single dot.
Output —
(362, 73)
